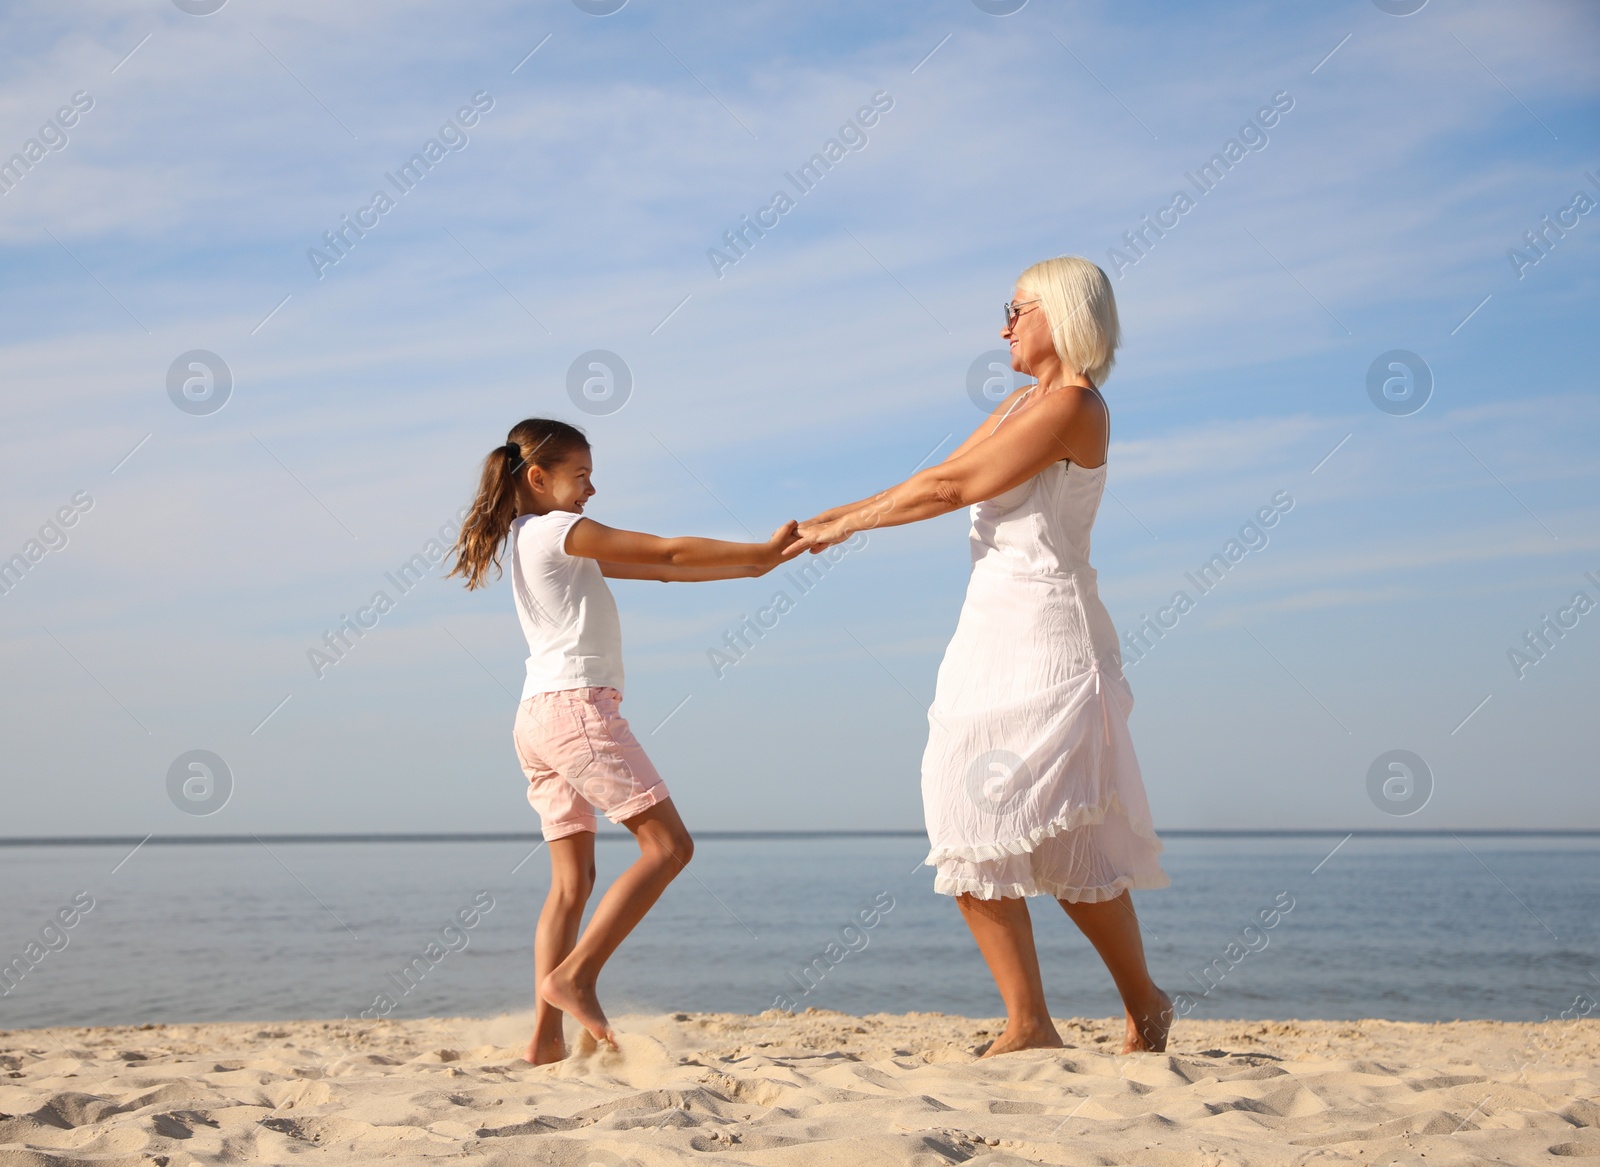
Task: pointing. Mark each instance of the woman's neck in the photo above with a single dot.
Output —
(1062, 381)
(1053, 376)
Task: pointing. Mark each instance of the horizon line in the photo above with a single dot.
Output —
(535, 836)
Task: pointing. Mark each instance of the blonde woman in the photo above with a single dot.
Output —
(1030, 785)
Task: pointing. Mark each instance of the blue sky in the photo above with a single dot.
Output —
(827, 363)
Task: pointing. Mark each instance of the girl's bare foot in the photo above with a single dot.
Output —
(1017, 1036)
(563, 991)
(1149, 1035)
(544, 1048)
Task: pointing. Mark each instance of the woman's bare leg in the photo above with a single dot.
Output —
(571, 880)
(1004, 932)
(1113, 928)
(664, 849)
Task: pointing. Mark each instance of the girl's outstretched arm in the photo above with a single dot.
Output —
(613, 570)
(636, 555)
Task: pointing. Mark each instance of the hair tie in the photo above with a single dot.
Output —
(513, 455)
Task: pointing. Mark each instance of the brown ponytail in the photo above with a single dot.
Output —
(537, 441)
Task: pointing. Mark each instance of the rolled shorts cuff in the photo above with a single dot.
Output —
(639, 803)
(562, 830)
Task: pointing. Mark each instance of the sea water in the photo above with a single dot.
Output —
(1407, 928)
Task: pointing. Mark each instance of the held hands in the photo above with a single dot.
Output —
(784, 545)
(840, 523)
(821, 532)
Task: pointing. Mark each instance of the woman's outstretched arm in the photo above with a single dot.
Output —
(982, 431)
(1030, 441)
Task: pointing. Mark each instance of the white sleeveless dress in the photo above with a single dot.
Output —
(1030, 785)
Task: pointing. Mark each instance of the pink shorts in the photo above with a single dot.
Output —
(579, 756)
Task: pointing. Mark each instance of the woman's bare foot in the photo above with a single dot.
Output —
(1033, 1035)
(1149, 1035)
(563, 991)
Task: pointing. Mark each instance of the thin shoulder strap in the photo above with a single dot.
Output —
(1107, 407)
(1096, 392)
(1013, 405)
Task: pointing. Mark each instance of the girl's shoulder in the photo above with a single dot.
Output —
(548, 519)
(545, 533)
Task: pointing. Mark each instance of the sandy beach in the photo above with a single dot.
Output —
(812, 1088)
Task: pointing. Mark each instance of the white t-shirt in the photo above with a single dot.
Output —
(565, 608)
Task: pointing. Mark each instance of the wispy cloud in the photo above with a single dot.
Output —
(819, 369)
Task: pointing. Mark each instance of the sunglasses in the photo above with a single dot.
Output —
(1011, 310)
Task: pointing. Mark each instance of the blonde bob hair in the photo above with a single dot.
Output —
(1077, 301)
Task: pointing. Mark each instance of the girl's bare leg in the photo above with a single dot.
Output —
(1004, 932)
(571, 881)
(664, 849)
(1113, 929)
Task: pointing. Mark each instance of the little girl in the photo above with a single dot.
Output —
(574, 745)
